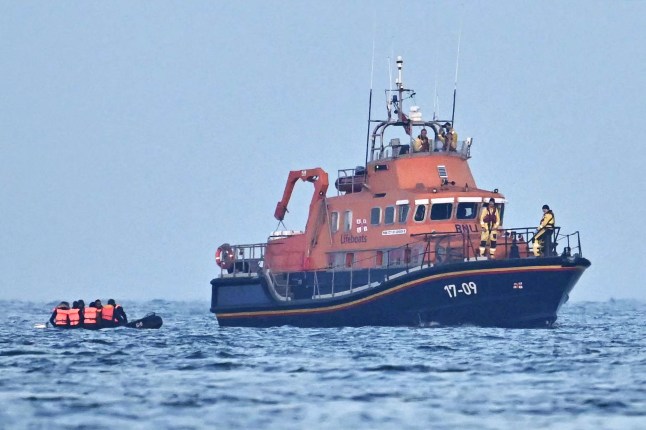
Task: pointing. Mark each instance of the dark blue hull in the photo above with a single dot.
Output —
(508, 293)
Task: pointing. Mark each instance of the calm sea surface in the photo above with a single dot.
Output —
(588, 372)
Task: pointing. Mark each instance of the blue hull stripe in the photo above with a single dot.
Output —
(398, 288)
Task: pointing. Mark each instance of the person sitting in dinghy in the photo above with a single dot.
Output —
(59, 316)
(113, 315)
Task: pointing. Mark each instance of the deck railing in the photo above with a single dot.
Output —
(425, 250)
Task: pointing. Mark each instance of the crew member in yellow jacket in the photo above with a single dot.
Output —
(449, 138)
(489, 222)
(543, 237)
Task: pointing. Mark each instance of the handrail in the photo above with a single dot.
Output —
(423, 251)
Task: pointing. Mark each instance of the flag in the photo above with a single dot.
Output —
(406, 122)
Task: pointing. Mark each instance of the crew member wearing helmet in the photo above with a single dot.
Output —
(489, 222)
(543, 237)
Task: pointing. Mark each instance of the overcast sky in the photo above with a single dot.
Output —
(135, 137)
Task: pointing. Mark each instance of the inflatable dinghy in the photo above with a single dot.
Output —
(151, 320)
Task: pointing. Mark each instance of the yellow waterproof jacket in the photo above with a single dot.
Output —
(548, 221)
(489, 218)
(452, 138)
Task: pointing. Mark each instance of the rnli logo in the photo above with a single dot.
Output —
(362, 225)
(518, 285)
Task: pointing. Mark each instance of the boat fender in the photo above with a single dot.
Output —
(224, 256)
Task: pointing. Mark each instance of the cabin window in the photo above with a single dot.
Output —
(440, 211)
(334, 222)
(349, 259)
(389, 215)
(467, 210)
(375, 216)
(402, 213)
(420, 213)
(347, 221)
(379, 259)
(407, 255)
(336, 259)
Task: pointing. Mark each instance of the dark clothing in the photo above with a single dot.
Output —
(120, 315)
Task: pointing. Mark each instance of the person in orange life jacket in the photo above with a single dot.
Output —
(489, 222)
(92, 317)
(107, 314)
(81, 304)
(60, 315)
(543, 237)
(119, 317)
(74, 316)
(98, 305)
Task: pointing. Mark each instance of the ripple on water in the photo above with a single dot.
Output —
(586, 372)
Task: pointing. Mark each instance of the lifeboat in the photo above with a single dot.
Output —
(400, 243)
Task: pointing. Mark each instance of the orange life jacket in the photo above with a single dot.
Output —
(91, 316)
(74, 317)
(61, 317)
(107, 313)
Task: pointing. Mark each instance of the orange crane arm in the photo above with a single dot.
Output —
(317, 176)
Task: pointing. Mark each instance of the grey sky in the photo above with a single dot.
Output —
(135, 137)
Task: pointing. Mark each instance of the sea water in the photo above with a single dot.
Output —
(589, 371)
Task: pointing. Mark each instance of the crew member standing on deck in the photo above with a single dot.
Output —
(489, 222)
(449, 138)
(543, 237)
(421, 143)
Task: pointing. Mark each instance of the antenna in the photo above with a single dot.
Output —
(400, 88)
(372, 71)
(436, 101)
(455, 87)
(436, 107)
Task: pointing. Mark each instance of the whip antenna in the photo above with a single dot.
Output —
(436, 104)
(372, 72)
(455, 86)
